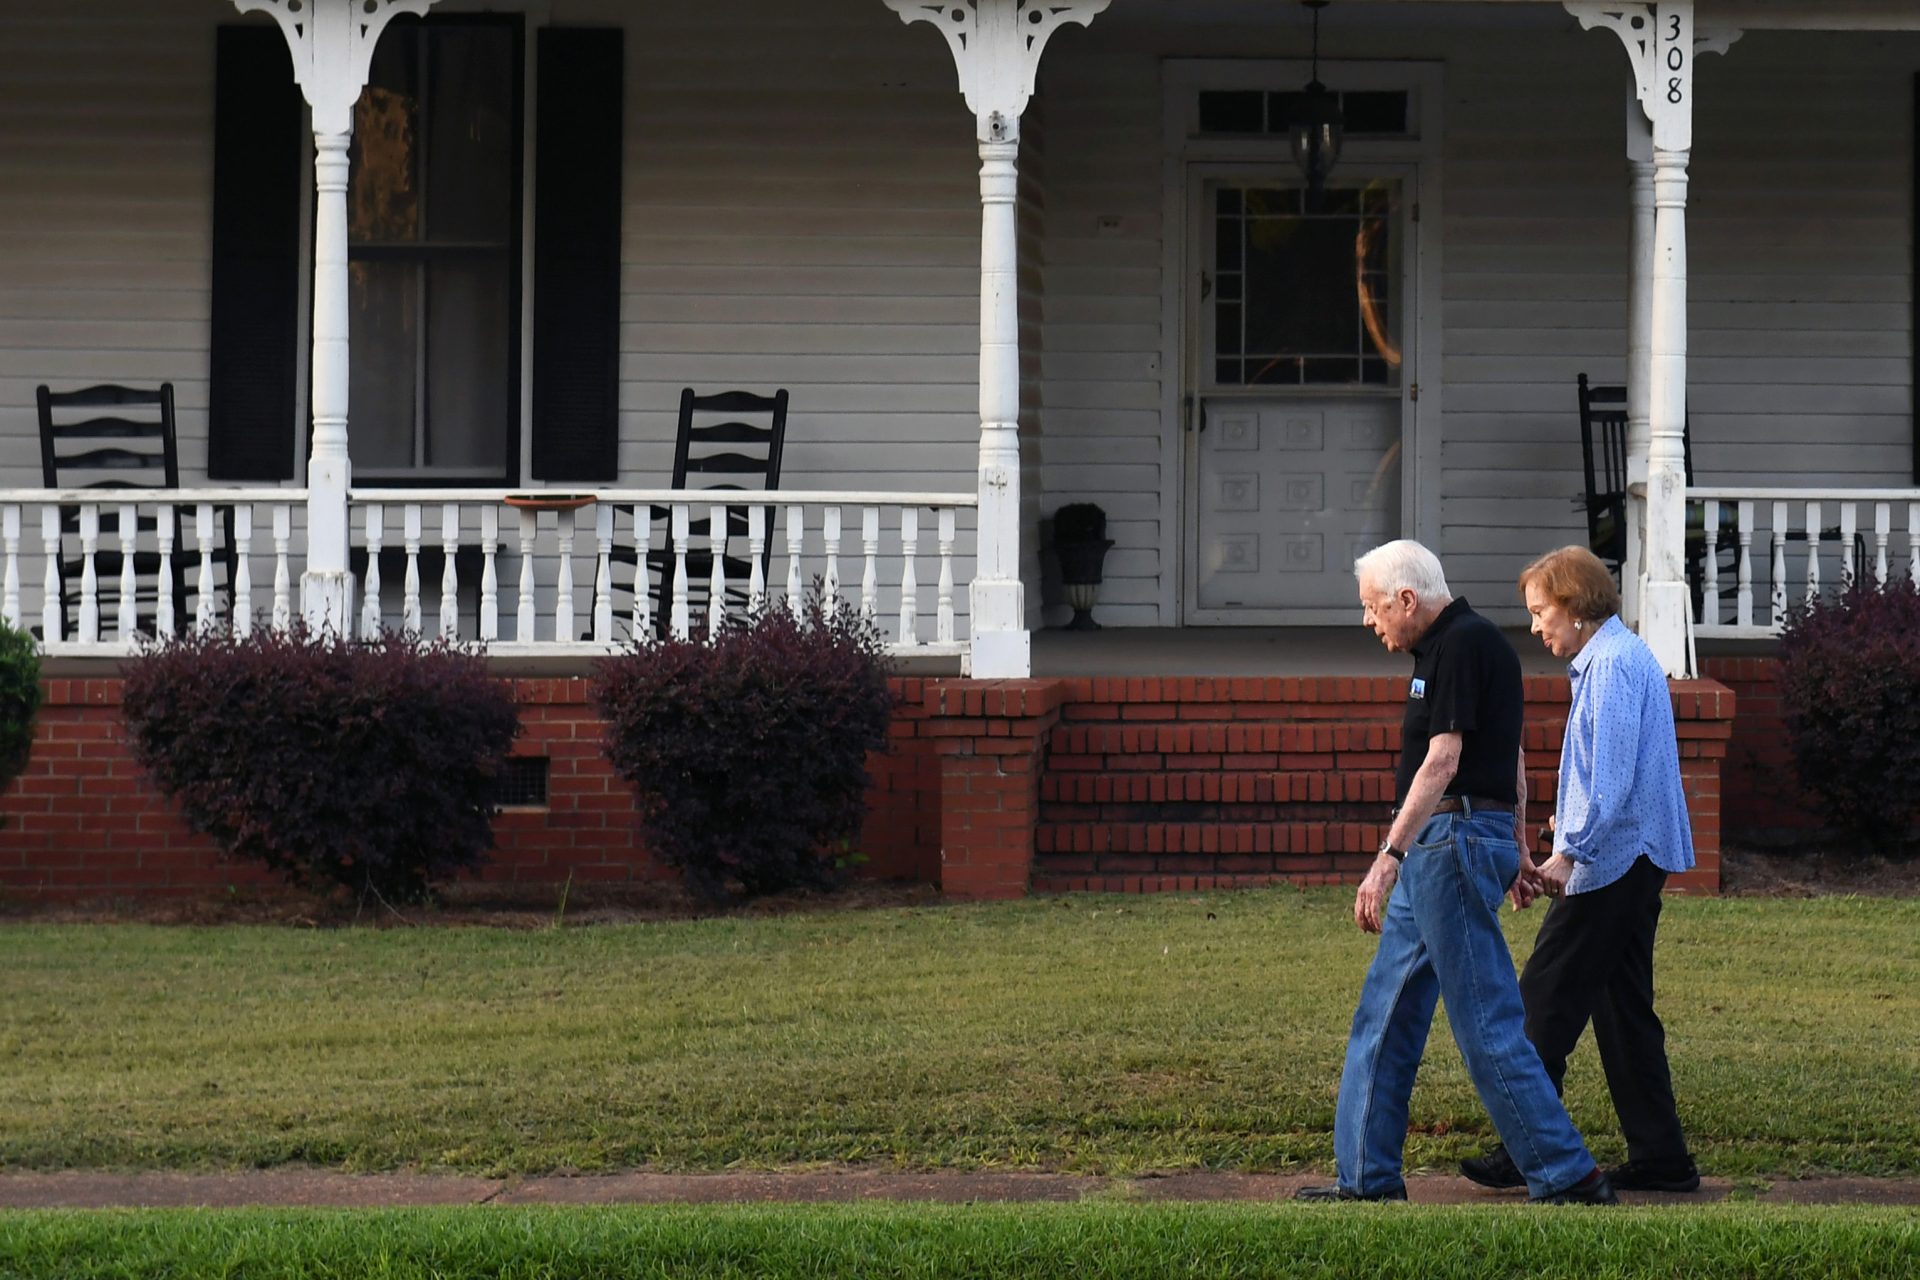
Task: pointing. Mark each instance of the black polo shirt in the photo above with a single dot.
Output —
(1466, 680)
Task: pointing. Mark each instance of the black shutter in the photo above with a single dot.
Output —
(576, 254)
(258, 121)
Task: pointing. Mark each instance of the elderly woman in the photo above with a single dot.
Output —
(1620, 829)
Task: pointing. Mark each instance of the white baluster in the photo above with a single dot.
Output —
(796, 545)
(449, 573)
(489, 574)
(681, 623)
(52, 608)
(909, 584)
(945, 616)
(1743, 601)
(203, 612)
(1813, 552)
(1777, 579)
(717, 576)
(242, 570)
(1849, 525)
(523, 624)
(642, 574)
(870, 551)
(283, 576)
(831, 588)
(89, 579)
(1882, 530)
(372, 612)
(1710, 567)
(10, 537)
(163, 619)
(756, 551)
(603, 574)
(563, 597)
(410, 533)
(127, 622)
(563, 625)
(1913, 544)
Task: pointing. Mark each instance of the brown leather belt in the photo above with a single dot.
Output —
(1471, 805)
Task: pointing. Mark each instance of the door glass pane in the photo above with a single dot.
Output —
(380, 403)
(1305, 296)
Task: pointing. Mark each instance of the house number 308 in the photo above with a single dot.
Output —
(1676, 61)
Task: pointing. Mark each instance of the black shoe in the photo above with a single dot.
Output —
(1342, 1193)
(1494, 1169)
(1648, 1175)
(1592, 1189)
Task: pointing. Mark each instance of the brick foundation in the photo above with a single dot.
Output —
(1764, 801)
(992, 788)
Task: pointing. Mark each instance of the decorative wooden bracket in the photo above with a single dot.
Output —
(332, 45)
(1661, 43)
(996, 46)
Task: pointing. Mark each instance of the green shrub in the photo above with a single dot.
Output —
(19, 701)
(749, 753)
(368, 764)
(1850, 690)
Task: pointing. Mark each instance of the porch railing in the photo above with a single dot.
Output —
(553, 581)
(1793, 546)
(144, 537)
(81, 565)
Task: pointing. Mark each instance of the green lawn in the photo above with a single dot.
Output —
(1084, 1033)
(1084, 1242)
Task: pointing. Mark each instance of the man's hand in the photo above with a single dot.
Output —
(1370, 903)
(1526, 885)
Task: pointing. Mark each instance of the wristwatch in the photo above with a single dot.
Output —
(1386, 847)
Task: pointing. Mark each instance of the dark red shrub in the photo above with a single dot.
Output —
(749, 754)
(368, 764)
(1850, 688)
(19, 701)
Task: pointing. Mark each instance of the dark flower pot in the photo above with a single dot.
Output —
(1080, 572)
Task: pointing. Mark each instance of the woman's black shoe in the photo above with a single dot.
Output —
(1644, 1175)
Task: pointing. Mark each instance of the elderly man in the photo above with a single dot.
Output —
(1452, 853)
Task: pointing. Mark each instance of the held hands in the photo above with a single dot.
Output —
(1370, 903)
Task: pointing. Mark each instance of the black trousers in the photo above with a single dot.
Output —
(1593, 962)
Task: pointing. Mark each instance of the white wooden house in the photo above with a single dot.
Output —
(557, 213)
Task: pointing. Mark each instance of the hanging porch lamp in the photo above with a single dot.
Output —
(1317, 127)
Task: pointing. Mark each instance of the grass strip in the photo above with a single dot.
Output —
(1088, 1034)
(1083, 1242)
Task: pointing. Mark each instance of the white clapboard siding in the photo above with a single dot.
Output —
(802, 211)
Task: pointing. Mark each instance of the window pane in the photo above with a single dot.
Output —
(383, 198)
(1300, 294)
(1377, 112)
(470, 144)
(1229, 112)
(380, 403)
(467, 328)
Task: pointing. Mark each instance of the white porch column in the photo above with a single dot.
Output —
(997, 45)
(1639, 349)
(1660, 45)
(332, 43)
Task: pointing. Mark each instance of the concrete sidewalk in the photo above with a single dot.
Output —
(324, 1189)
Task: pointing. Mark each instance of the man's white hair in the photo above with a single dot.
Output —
(1404, 565)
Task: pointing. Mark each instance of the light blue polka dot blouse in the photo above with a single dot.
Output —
(1620, 790)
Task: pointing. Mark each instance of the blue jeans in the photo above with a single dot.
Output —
(1441, 938)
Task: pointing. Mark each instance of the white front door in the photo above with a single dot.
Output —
(1298, 316)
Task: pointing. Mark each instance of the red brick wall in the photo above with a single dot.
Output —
(1763, 796)
(84, 822)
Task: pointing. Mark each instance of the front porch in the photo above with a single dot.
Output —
(986, 315)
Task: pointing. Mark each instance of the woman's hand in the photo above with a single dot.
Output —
(1553, 875)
